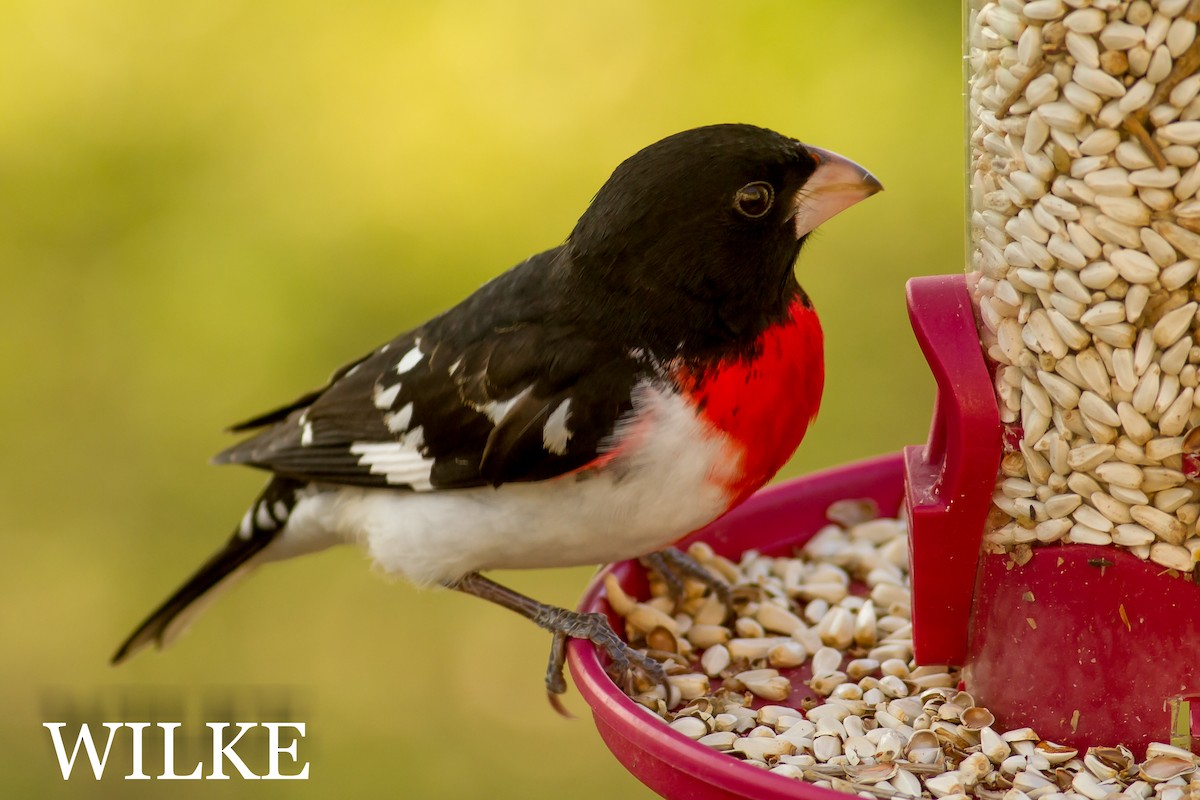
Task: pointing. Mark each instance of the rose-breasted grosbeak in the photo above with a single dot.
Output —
(596, 402)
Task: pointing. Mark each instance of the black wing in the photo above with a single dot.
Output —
(496, 390)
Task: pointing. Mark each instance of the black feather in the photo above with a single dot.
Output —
(237, 551)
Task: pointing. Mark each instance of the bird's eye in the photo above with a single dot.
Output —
(754, 199)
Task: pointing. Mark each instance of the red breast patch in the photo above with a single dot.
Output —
(763, 403)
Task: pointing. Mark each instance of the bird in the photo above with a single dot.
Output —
(596, 402)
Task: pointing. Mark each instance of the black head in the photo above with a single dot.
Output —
(713, 218)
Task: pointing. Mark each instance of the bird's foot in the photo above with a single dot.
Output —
(674, 566)
(626, 665)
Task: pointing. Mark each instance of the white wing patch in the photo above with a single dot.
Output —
(262, 517)
(306, 435)
(414, 439)
(555, 433)
(398, 422)
(399, 462)
(385, 397)
(247, 526)
(409, 360)
(497, 410)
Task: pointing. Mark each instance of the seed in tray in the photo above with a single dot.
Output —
(887, 726)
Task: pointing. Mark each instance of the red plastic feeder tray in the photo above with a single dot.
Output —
(1087, 645)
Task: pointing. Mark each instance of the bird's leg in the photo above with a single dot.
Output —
(563, 624)
(674, 565)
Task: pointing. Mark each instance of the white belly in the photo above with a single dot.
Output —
(668, 477)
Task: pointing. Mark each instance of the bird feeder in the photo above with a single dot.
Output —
(1083, 128)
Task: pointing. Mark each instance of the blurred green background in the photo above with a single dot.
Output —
(205, 207)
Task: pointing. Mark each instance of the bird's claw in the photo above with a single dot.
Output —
(565, 624)
(674, 565)
(624, 662)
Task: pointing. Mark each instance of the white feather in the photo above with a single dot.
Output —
(262, 517)
(247, 525)
(409, 360)
(385, 397)
(399, 421)
(497, 410)
(555, 433)
(414, 439)
(399, 462)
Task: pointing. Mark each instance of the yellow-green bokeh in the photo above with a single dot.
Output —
(205, 207)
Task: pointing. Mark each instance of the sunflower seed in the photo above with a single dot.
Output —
(1134, 266)
(1121, 334)
(766, 683)
(777, 619)
(1135, 97)
(1159, 248)
(1097, 275)
(690, 686)
(1183, 240)
(1171, 556)
(1146, 393)
(1101, 141)
(1044, 10)
(1062, 391)
(1132, 535)
(1174, 324)
(1179, 132)
(691, 727)
(1063, 116)
(1120, 474)
(1120, 35)
(1105, 313)
(1052, 530)
(1086, 457)
(1170, 500)
(1115, 511)
(1085, 534)
(1180, 36)
(1175, 417)
(1109, 230)
(1127, 210)
(1157, 478)
(762, 748)
(1162, 524)
(1093, 406)
(1111, 181)
(1160, 64)
(1095, 79)
(1157, 178)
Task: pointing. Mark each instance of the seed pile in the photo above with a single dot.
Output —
(869, 721)
(1085, 244)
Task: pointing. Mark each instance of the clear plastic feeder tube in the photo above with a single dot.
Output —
(1083, 247)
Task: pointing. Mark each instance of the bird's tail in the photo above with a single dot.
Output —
(262, 523)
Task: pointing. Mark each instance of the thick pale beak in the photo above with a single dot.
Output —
(837, 184)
